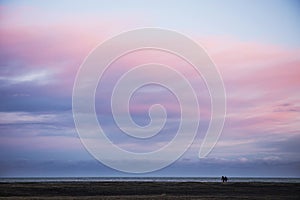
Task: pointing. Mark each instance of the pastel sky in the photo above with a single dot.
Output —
(254, 44)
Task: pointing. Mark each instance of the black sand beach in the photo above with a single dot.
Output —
(149, 190)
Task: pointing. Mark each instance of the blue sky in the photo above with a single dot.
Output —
(254, 44)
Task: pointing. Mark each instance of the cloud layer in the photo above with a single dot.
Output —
(40, 55)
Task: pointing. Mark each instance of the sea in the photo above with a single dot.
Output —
(148, 179)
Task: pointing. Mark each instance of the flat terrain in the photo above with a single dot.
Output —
(149, 190)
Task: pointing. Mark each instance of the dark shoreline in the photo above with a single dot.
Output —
(149, 190)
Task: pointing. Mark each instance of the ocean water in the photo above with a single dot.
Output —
(148, 179)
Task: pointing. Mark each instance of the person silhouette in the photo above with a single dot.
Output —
(223, 179)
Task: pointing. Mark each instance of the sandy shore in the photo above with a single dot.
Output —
(149, 190)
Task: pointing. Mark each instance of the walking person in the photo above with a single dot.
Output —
(223, 179)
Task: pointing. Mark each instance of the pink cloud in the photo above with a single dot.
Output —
(257, 77)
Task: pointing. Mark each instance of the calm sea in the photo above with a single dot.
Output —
(149, 179)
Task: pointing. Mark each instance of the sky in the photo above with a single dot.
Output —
(254, 44)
